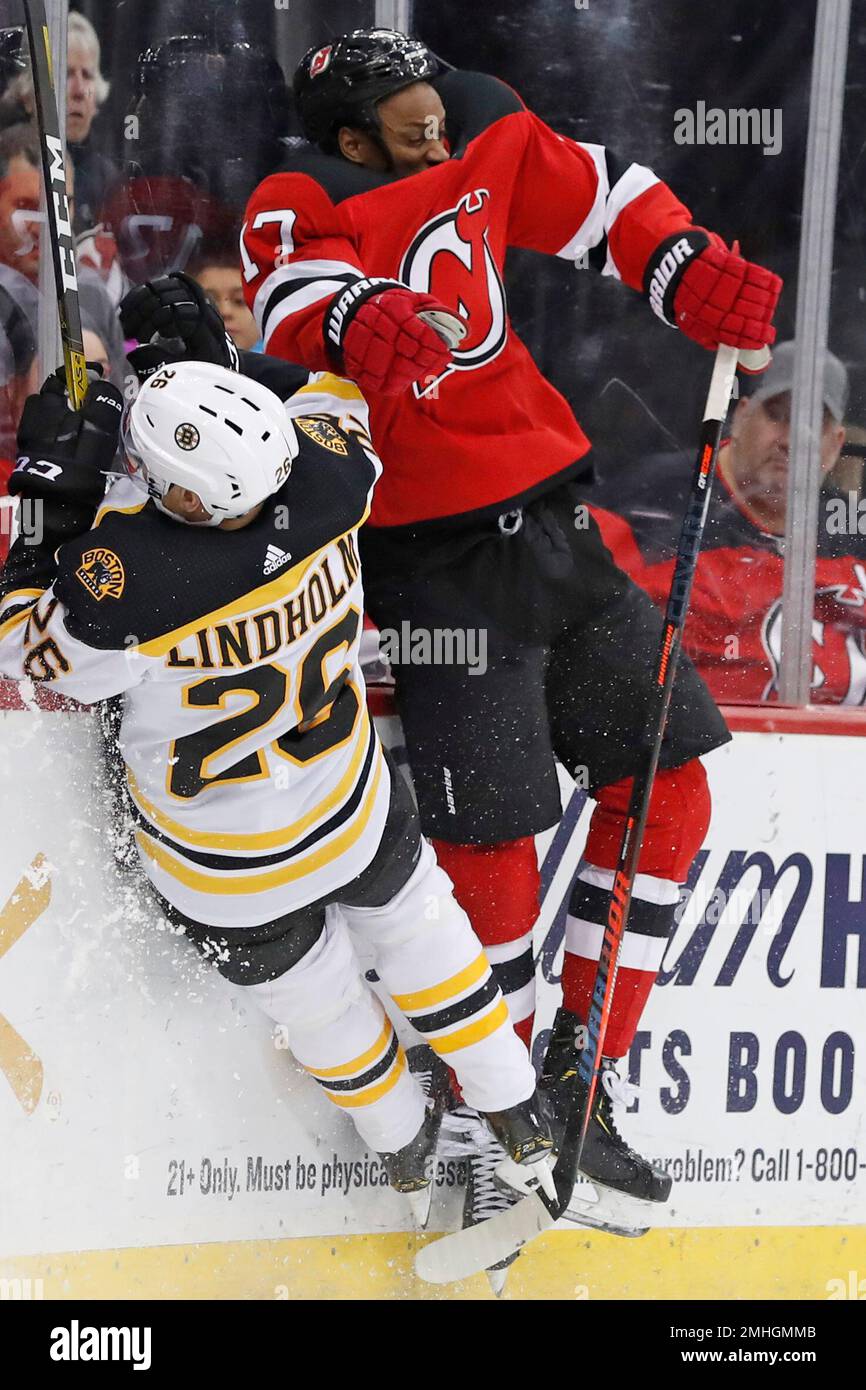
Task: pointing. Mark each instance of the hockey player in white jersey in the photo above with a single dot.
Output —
(217, 589)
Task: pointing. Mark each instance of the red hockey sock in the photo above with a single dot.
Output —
(497, 887)
(679, 816)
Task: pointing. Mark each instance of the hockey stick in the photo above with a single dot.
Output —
(467, 1252)
(52, 146)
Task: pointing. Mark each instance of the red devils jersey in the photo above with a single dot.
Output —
(490, 429)
(734, 628)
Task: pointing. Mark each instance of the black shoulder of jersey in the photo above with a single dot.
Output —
(139, 576)
(339, 178)
(283, 378)
(472, 101)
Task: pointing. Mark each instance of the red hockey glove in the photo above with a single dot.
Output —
(696, 284)
(373, 333)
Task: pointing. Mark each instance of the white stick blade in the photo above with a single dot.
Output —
(468, 1252)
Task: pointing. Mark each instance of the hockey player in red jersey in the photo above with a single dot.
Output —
(379, 249)
(399, 211)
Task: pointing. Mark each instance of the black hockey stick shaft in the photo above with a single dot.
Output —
(691, 536)
(53, 148)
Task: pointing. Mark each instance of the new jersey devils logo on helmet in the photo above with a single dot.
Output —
(321, 60)
(450, 258)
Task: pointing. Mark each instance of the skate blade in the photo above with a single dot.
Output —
(497, 1279)
(420, 1203)
(611, 1211)
(525, 1178)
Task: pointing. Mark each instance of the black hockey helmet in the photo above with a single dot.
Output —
(190, 91)
(339, 83)
(13, 54)
(222, 70)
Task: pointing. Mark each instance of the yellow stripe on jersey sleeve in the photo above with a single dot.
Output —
(330, 385)
(238, 884)
(19, 595)
(123, 511)
(9, 624)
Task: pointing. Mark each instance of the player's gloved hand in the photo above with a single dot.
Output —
(64, 454)
(148, 358)
(375, 336)
(712, 294)
(176, 307)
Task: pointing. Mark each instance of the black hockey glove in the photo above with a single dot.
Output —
(175, 307)
(149, 358)
(64, 455)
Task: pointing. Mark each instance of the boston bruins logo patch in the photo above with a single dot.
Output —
(323, 432)
(187, 436)
(101, 573)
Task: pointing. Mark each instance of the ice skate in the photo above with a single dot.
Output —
(411, 1169)
(628, 1187)
(498, 1147)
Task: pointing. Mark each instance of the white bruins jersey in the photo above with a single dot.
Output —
(257, 780)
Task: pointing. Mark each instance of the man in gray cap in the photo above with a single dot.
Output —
(733, 632)
(754, 461)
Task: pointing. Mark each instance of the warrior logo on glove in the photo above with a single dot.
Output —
(450, 258)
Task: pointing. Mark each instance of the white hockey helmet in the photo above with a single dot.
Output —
(217, 433)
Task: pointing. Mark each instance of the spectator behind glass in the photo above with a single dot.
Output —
(18, 377)
(220, 277)
(86, 90)
(20, 184)
(99, 318)
(733, 632)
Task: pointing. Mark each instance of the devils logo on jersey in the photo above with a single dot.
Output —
(838, 644)
(450, 258)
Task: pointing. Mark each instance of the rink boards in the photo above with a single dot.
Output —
(157, 1142)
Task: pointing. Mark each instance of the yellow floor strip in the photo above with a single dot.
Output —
(721, 1263)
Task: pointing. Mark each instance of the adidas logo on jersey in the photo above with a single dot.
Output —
(275, 559)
